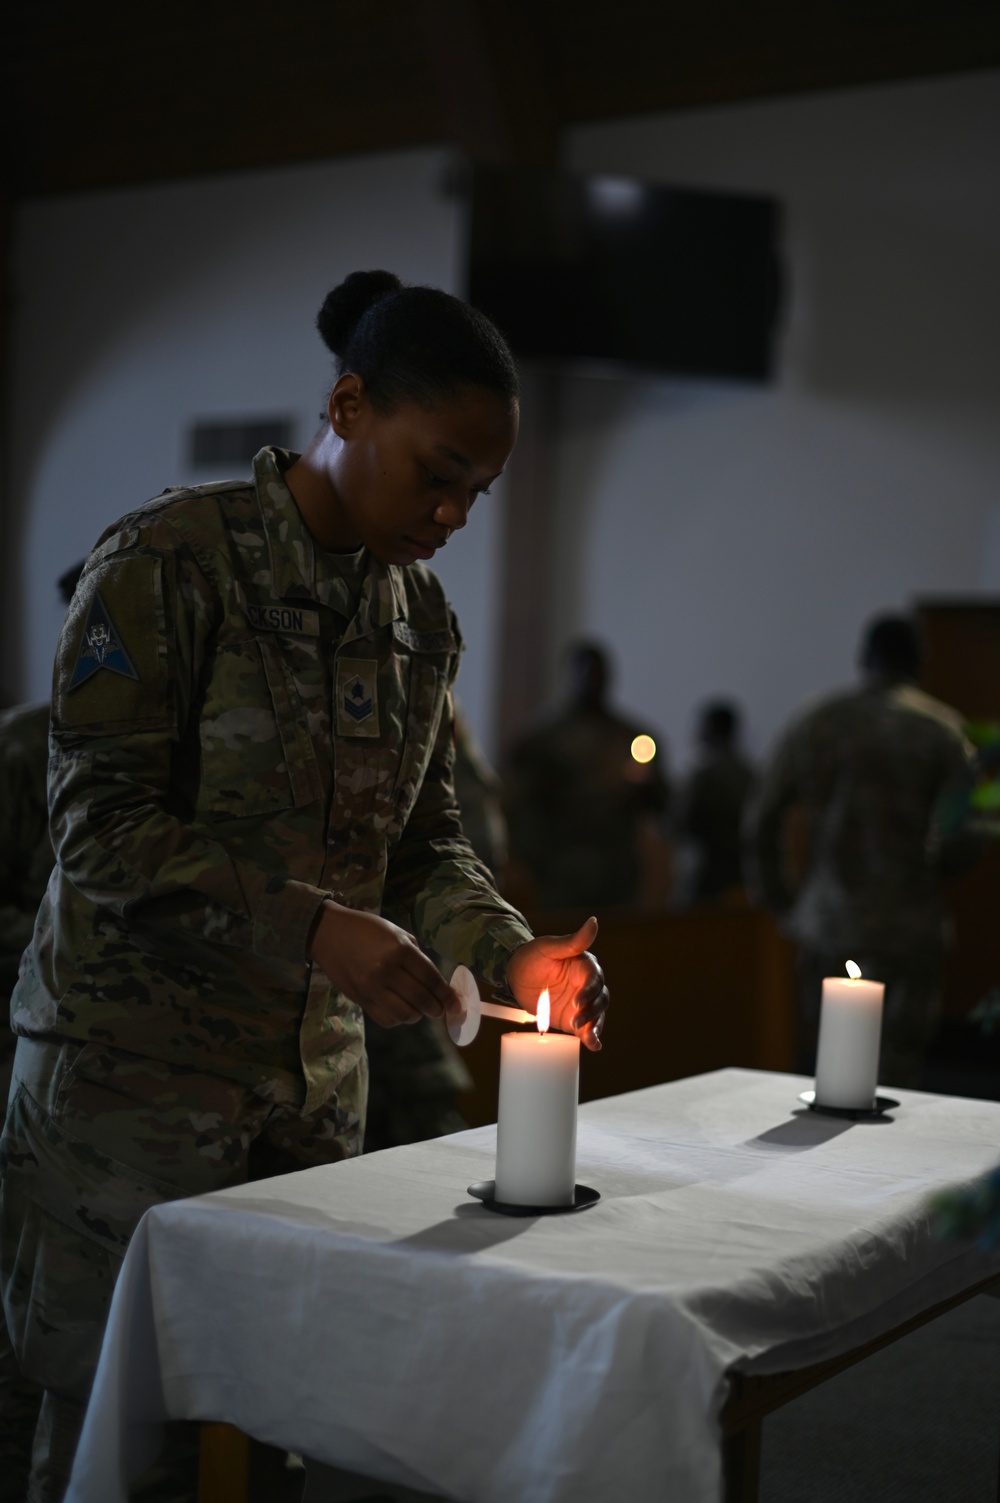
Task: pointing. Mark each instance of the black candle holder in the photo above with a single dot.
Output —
(485, 1190)
(879, 1107)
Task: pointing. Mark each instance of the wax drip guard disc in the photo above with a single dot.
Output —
(464, 1029)
(881, 1105)
(485, 1190)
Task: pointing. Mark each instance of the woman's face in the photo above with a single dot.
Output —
(403, 481)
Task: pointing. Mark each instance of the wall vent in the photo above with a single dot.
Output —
(235, 441)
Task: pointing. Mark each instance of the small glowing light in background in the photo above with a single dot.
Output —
(544, 1012)
(853, 970)
(644, 750)
(616, 195)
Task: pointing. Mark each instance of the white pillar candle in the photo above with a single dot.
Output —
(536, 1119)
(850, 1031)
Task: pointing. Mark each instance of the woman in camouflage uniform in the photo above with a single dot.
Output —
(252, 753)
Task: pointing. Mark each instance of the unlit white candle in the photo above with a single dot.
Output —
(536, 1119)
(850, 1030)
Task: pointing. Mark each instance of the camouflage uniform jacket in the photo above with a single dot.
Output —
(25, 849)
(234, 737)
(869, 768)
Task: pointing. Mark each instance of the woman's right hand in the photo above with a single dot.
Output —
(379, 966)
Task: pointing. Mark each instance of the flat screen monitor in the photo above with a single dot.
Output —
(589, 269)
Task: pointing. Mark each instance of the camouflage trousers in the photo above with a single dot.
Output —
(94, 1136)
(911, 1010)
(415, 1075)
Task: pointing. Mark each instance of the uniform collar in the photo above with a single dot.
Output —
(292, 553)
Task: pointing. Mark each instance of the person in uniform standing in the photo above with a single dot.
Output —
(864, 774)
(252, 745)
(25, 848)
(585, 797)
(712, 806)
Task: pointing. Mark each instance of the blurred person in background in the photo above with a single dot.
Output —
(711, 808)
(416, 1074)
(586, 796)
(868, 771)
(26, 857)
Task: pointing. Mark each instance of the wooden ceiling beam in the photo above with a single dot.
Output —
(696, 52)
(145, 93)
(110, 93)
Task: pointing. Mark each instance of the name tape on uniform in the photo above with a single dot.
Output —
(424, 641)
(282, 618)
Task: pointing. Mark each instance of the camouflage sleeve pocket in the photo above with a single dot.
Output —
(111, 662)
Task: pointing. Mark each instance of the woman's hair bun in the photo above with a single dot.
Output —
(347, 304)
(412, 344)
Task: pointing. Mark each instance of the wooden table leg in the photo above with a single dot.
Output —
(752, 1398)
(223, 1464)
(741, 1463)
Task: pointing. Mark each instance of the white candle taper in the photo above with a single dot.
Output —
(512, 1014)
(536, 1119)
(464, 1027)
(850, 1032)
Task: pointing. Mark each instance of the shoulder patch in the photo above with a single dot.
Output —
(112, 662)
(101, 646)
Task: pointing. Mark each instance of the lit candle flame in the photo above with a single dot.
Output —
(643, 749)
(544, 1012)
(853, 970)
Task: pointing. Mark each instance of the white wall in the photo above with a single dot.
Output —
(727, 539)
(723, 539)
(137, 311)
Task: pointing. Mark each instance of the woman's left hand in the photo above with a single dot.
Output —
(577, 990)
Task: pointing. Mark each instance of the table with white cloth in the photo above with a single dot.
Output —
(372, 1316)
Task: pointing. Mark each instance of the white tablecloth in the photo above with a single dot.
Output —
(372, 1316)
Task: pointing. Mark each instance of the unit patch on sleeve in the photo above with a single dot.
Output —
(111, 669)
(357, 697)
(100, 647)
